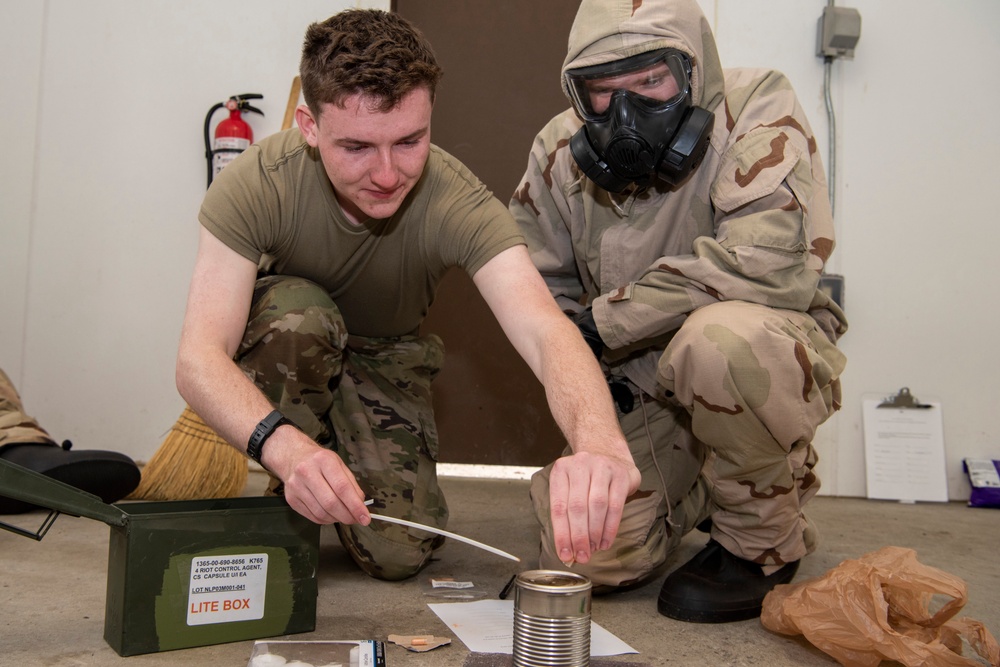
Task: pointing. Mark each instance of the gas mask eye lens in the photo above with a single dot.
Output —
(657, 80)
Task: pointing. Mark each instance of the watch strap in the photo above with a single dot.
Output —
(263, 431)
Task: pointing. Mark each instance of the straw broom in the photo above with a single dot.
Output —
(192, 463)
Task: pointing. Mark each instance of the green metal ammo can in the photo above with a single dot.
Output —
(190, 573)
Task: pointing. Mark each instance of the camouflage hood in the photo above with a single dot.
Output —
(608, 30)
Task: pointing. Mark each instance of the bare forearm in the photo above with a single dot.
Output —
(216, 388)
(578, 395)
(588, 489)
(317, 483)
(222, 395)
(553, 348)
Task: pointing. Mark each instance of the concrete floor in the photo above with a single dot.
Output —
(53, 591)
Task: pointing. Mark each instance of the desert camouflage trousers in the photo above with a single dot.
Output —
(15, 425)
(368, 399)
(744, 389)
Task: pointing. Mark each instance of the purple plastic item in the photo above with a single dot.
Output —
(984, 476)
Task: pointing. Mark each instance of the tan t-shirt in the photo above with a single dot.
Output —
(276, 200)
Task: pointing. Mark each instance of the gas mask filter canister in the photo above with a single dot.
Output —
(639, 124)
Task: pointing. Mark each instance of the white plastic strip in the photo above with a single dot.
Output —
(438, 531)
(485, 471)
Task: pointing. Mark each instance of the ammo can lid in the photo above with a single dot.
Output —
(33, 487)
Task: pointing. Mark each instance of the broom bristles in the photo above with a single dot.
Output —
(192, 463)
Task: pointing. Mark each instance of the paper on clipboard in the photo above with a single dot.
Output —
(904, 448)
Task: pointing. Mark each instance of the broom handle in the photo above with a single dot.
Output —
(293, 101)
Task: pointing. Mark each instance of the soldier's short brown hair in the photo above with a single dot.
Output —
(368, 51)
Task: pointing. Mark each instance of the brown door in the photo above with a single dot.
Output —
(501, 65)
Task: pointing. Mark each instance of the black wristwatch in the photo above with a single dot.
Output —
(262, 432)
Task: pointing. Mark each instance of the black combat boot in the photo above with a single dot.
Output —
(717, 587)
(108, 475)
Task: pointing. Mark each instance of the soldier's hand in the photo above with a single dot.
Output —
(317, 483)
(587, 494)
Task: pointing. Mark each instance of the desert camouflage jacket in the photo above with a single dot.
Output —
(752, 223)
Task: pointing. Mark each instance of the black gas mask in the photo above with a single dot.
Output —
(639, 123)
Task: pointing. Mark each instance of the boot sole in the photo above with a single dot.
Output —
(689, 615)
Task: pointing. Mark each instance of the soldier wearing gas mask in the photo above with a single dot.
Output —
(679, 214)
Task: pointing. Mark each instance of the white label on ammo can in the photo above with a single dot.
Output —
(227, 588)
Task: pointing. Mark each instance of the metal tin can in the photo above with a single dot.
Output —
(551, 619)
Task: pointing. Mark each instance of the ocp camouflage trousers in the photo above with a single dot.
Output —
(744, 389)
(368, 399)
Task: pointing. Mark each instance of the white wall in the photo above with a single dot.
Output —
(915, 111)
(21, 50)
(103, 108)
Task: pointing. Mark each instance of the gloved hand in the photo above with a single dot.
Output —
(584, 321)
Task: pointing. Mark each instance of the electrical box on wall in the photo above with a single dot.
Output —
(833, 285)
(838, 31)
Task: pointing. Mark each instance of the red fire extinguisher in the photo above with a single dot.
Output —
(233, 135)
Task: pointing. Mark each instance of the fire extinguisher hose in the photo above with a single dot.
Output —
(208, 138)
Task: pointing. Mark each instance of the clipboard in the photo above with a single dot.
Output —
(904, 448)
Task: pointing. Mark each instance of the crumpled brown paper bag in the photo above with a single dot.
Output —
(877, 608)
